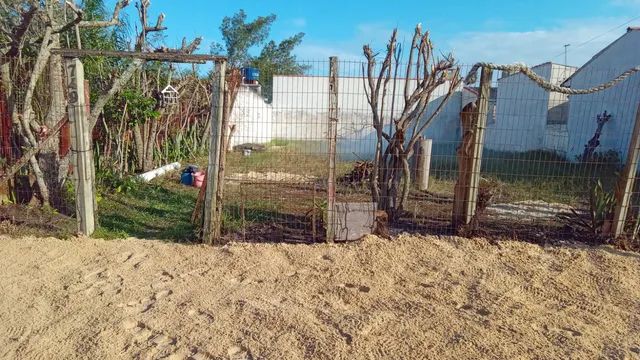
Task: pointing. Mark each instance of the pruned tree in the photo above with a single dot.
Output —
(398, 126)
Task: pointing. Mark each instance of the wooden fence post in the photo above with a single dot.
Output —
(82, 152)
(423, 167)
(624, 188)
(212, 223)
(332, 136)
(470, 155)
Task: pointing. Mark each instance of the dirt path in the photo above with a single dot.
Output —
(407, 299)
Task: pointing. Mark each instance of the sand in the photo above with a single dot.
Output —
(410, 298)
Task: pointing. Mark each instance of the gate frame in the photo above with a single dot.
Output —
(81, 140)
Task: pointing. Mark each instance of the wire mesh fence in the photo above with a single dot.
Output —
(550, 162)
(36, 149)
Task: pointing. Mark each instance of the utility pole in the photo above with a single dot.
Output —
(566, 48)
(566, 63)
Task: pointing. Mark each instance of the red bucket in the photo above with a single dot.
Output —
(198, 179)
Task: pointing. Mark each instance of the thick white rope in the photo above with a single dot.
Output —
(473, 76)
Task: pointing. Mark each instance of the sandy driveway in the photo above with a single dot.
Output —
(411, 298)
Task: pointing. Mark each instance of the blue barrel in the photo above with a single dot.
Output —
(251, 74)
(186, 178)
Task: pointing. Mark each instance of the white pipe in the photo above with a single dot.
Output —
(150, 175)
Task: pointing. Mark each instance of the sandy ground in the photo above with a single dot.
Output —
(411, 298)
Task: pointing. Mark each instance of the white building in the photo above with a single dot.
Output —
(300, 106)
(621, 101)
(528, 117)
(251, 116)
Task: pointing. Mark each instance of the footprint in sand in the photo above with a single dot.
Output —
(149, 339)
(201, 314)
(361, 288)
(98, 282)
(238, 353)
(157, 344)
(144, 305)
(162, 280)
(131, 258)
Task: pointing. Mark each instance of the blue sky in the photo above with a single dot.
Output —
(490, 30)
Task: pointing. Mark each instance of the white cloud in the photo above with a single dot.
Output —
(531, 47)
(537, 46)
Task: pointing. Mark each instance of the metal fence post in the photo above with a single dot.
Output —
(212, 224)
(466, 196)
(332, 136)
(82, 152)
(626, 182)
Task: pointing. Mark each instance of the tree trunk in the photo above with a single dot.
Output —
(139, 143)
(150, 145)
(53, 169)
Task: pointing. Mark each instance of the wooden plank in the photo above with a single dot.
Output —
(158, 56)
(478, 144)
(332, 138)
(468, 119)
(81, 150)
(626, 181)
(212, 228)
(474, 120)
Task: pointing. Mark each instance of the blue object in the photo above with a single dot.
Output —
(250, 74)
(186, 178)
(192, 169)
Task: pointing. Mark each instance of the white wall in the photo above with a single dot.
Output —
(621, 101)
(252, 117)
(300, 112)
(522, 110)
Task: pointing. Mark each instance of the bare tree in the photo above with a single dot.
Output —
(398, 126)
(36, 26)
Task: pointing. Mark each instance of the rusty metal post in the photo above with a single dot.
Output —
(332, 137)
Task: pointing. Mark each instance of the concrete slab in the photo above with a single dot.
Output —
(353, 220)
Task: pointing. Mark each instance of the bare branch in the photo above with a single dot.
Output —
(114, 21)
(185, 49)
(158, 26)
(117, 85)
(17, 36)
(414, 41)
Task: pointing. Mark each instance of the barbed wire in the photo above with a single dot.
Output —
(472, 76)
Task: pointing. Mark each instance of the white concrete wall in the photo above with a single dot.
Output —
(300, 112)
(621, 101)
(252, 117)
(556, 137)
(522, 112)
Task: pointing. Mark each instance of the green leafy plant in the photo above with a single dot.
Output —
(598, 219)
(139, 107)
(109, 181)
